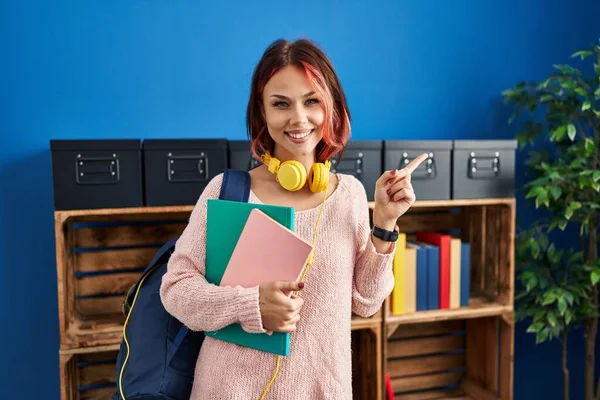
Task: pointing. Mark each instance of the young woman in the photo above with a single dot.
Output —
(296, 111)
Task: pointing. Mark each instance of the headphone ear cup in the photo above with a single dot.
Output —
(318, 178)
(291, 175)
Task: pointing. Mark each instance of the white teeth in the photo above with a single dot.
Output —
(299, 135)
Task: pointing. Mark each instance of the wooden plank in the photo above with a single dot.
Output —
(490, 332)
(478, 307)
(118, 283)
(68, 377)
(95, 374)
(425, 381)
(113, 259)
(428, 329)
(430, 345)
(97, 306)
(425, 365)
(91, 350)
(507, 255)
(492, 253)
(62, 278)
(507, 333)
(482, 352)
(456, 203)
(117, 213)
(98, 394)
(97, 357)
(475, 391)
(454, 394)
(127, 235)
(442, 221)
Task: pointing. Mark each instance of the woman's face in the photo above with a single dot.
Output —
(293, 113)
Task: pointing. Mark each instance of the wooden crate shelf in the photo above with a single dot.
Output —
(101, 252)
(464, 352)
(88, 376)
(440, 359)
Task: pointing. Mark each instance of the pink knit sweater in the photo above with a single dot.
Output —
(347, 275)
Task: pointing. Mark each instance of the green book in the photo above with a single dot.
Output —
(225, 223)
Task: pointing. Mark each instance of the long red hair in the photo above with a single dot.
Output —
(309, 57)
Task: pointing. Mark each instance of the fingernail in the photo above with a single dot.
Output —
(394, 172)
(390, 181)
(389, 192)
(301, 285)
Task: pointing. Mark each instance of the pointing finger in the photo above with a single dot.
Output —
(415, 163)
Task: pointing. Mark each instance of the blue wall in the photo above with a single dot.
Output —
(432, 69)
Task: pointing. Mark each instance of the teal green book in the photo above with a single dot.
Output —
(225, 223)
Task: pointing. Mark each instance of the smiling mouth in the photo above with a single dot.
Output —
(299, 135)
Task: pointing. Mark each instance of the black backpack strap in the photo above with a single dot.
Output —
(235, 186)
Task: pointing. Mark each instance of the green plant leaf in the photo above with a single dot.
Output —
(542, 336)
(568, 213)
(563, 224)
(568, 297)
(562, 305)
(535, 327)
(589, 145)
(552, 319)
(555, 191)
(586, 105)
(596, 176)
(571, 131)
(568, 316)
(582, 53)
(581, 91)
(575, 205)
(559, 133)
(595, 276)
(534, 191)
(549, 298)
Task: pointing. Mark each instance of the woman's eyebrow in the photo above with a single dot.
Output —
(280, 96)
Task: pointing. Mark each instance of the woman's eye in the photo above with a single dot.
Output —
(280, 104)
(310, 102)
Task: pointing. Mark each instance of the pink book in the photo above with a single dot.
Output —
(266, 251)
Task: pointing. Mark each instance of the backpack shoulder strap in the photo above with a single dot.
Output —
(235, 186)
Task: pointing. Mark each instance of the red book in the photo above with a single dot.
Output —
(388, 386)
(443, 242)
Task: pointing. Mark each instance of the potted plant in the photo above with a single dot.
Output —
(559, 286)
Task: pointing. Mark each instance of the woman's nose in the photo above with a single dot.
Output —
(299, 116)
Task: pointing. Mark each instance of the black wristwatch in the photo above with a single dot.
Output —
(384, 234)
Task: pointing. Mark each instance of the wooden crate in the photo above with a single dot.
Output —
(88, 376)
(367, 377)
(489, 226)
(90, 373)
(99, 256)
(456, 358)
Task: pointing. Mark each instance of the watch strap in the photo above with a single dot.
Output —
(385, 235)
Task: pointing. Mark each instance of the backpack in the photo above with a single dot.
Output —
(158, 354)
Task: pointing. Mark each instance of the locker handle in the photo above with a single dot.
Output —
(483, 167)
(97, 170)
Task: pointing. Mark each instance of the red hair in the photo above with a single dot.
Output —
(319, 70)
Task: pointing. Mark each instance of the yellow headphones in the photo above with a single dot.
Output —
(291, 174)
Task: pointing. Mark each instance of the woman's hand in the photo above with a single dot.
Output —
(394, 194)
(279, 312)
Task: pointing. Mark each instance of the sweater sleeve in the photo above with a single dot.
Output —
(185, 292)
(373, 276)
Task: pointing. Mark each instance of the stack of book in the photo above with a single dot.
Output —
(431, 272)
